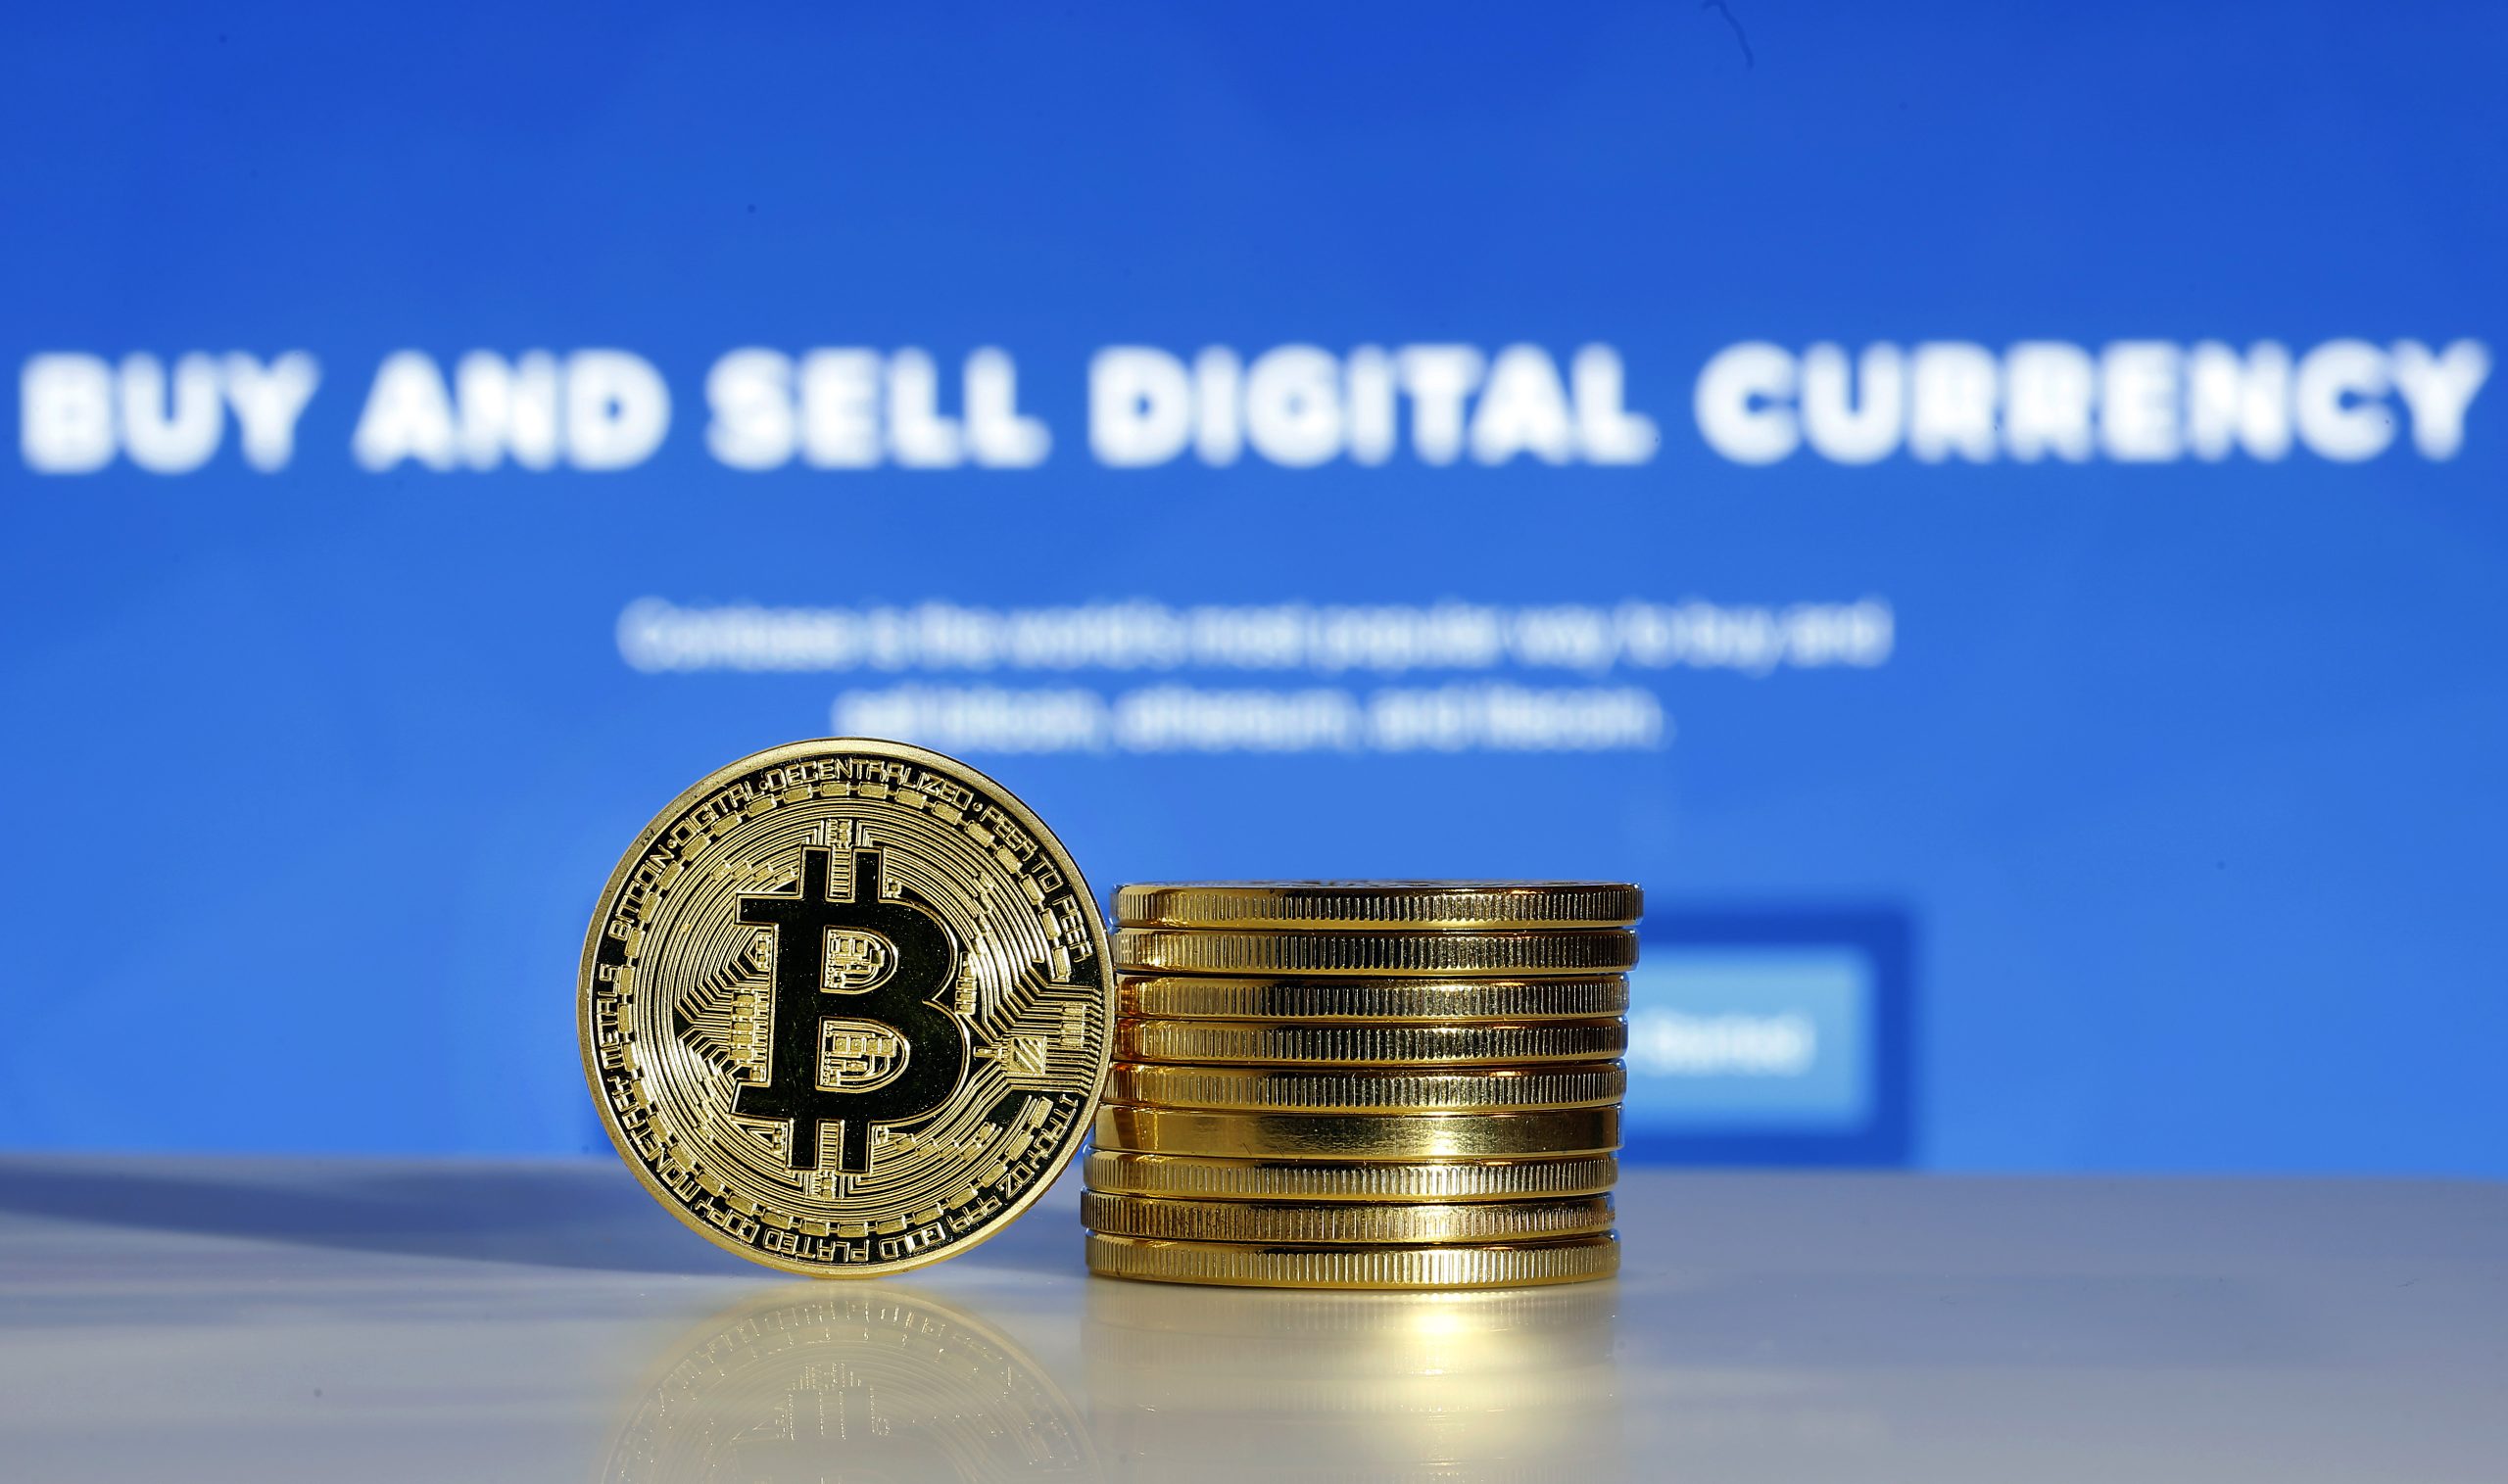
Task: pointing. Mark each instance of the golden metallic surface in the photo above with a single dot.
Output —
(1191, 1177)
(1364, 1085)
(1436, 1000)
(1555, 951)
(1296, 1043)
(844, 1007)
(1360, 1136)
(1343, 1222)
(1378, 904)
(1364, 1090)
(1249, 1266)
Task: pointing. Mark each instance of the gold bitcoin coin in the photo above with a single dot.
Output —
(1248, 1266)
(1404, 905)
(1268, 1221)
(1440, 1000)
(844, 1007)
(1359, 1135)
(1197, 950)
(1291, 1043)
(1262, 1090)
(1187, 1178)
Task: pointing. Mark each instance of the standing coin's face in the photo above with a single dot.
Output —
(845, 1007)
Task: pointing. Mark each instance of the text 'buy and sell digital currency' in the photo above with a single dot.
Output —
(845, 1007)
(1364, 1085)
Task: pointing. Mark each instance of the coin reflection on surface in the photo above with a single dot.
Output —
(862, 1385)
(1270, 1384)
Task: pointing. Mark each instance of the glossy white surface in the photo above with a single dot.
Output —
(169, 1319)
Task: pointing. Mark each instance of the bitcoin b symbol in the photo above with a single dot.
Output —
(895, 1055)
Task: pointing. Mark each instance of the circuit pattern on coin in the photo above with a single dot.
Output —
(845, 1007)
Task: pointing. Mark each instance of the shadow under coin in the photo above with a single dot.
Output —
(1274, 1384)
(860, 1383)
(587, 1214)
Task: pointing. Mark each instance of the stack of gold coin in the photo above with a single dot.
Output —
(1364, 1085)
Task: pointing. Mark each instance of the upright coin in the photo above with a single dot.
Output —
(1402, 905)
(845, 1007)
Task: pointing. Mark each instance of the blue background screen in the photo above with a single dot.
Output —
(1991, 514)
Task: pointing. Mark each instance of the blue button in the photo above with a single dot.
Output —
(1748, 1038)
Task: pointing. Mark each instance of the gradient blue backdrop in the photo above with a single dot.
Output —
(2186, 775)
